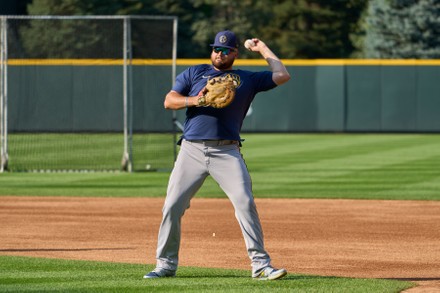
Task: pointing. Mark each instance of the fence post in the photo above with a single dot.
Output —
(127, 157)
(173, 80)
(3, 96)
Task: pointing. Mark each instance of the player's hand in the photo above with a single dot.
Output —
(257, 45)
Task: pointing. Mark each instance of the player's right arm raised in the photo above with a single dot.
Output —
(280, 74)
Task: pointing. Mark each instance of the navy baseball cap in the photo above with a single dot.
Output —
(225, 39)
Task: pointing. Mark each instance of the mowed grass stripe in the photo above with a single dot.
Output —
(284, 149)
(342, 162)
(414, 187)
(25, 274)
(385, 183)
(376, 166)
(363, 167)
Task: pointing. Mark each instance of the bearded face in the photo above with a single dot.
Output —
(221, 60)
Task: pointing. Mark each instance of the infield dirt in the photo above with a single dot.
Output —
(350, 238)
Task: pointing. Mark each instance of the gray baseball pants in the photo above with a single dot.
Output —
(224, 162)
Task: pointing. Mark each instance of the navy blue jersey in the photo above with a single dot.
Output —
(204, 123)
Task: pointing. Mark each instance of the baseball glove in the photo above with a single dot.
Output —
(219, 92)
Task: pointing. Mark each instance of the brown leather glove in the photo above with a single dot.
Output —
(219, 92)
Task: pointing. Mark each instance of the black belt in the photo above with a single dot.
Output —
(215, 142)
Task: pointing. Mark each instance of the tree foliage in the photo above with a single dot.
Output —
(403, 29)
(292, 28)
(67, 38)
(313, 29)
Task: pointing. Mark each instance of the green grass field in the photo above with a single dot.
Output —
(351, 166)
(88, 151)
(21, 274)
(400, 166)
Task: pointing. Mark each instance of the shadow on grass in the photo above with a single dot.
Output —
(238, 275)
(64, 249)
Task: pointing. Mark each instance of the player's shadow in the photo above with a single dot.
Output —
(248, 277)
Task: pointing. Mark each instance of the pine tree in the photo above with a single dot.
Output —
(403, 29)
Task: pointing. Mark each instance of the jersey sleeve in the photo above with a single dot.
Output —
(263, 81)
(183, 83)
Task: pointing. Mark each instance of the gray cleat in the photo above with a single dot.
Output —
(160, 273)
(270, 273)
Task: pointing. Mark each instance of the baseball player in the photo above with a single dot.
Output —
(210, 145)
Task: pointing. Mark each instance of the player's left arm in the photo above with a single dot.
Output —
(280, 74)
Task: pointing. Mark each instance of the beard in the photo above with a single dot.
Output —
(222, 64)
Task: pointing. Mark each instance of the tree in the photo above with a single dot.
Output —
(403, 29)
(200, 20)
(17, 7)
(67, 38)
(292, 28)
(88, 38)
(84, 7)
(313, 29)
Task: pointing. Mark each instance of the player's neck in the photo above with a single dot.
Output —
(223, 69)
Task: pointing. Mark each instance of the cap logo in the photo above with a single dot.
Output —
(223, 39)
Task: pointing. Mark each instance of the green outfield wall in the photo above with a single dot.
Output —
(322, 96)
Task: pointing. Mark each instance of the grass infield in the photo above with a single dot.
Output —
(23, 274)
